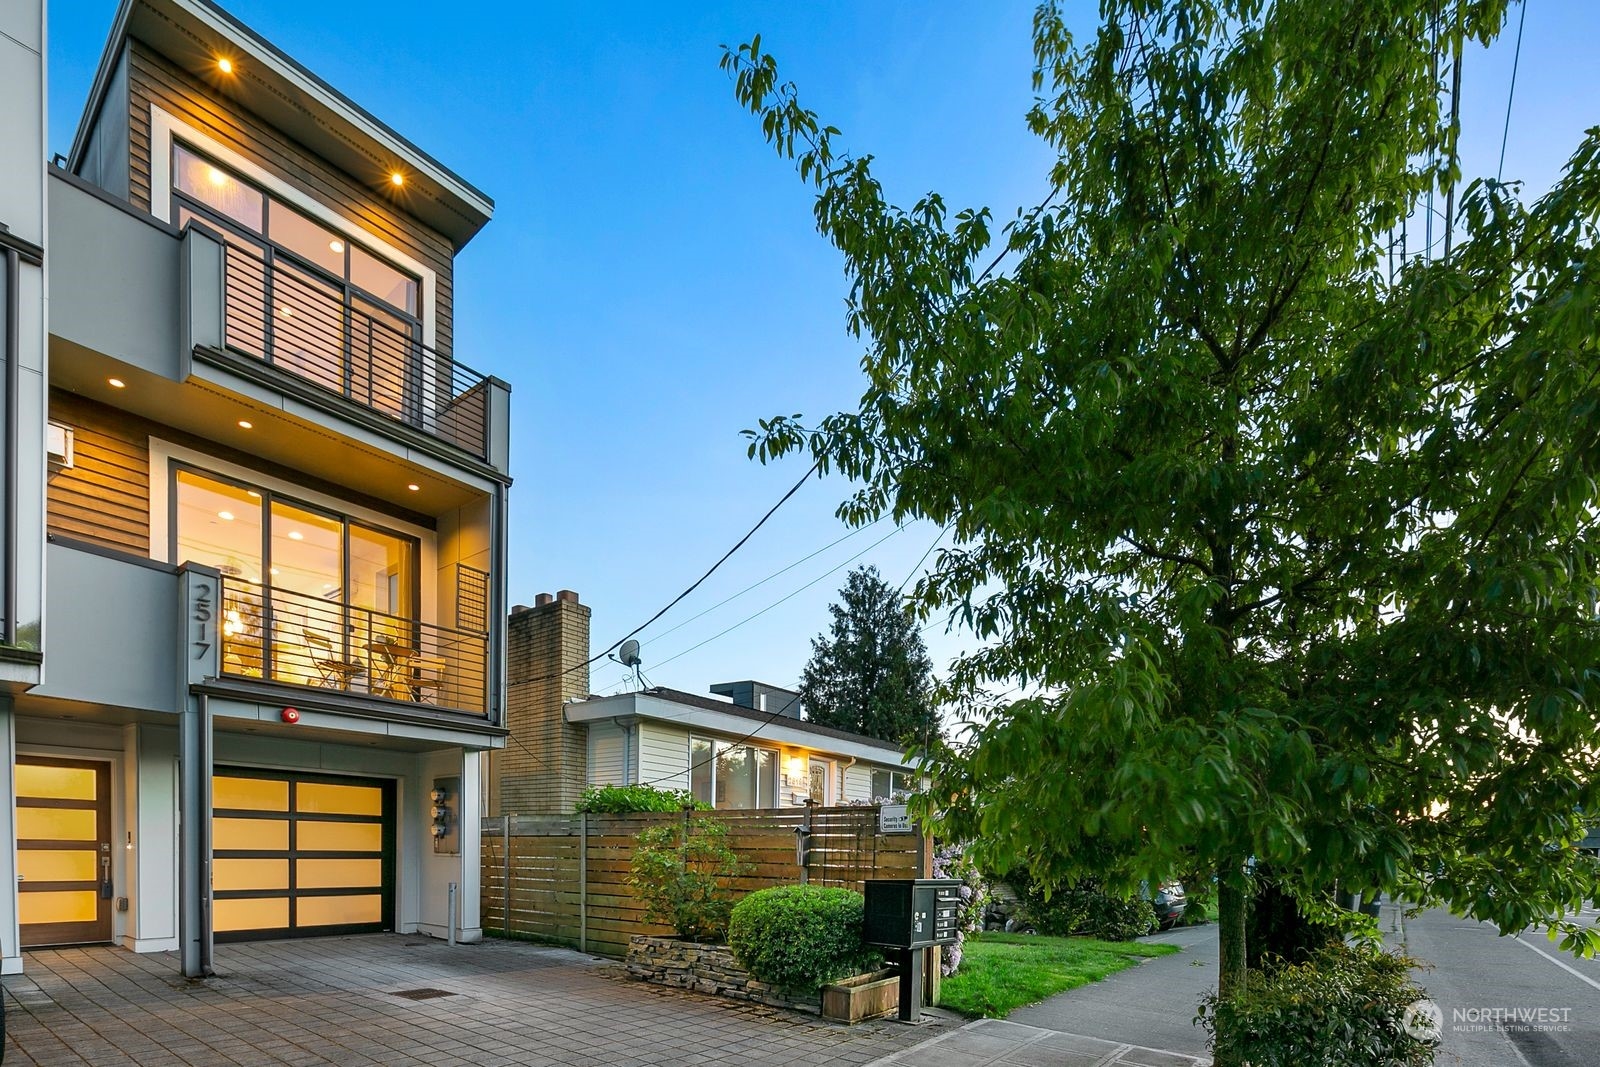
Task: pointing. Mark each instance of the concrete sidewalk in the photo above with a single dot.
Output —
(1152, 1004)
(999, 1043)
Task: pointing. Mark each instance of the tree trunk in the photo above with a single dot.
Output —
(1233, 904)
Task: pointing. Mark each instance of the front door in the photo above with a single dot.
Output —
(820, 793)
(64, 888)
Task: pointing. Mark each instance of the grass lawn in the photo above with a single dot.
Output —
(1002, 972)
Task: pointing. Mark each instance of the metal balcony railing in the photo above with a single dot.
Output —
(297, 321)
(298, 639)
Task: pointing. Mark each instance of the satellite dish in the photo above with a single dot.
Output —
(628, 654)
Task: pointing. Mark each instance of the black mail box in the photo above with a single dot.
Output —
(911, 912)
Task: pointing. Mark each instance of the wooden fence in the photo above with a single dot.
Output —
(564, 878)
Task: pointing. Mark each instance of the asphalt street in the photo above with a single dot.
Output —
(1512, 1001)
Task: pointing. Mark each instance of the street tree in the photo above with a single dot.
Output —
(1296, 554)
(870, 672)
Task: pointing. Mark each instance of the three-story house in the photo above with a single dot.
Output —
(272, 627)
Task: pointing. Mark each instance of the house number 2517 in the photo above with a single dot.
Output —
(202, 620)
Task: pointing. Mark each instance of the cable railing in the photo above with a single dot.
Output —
(294, 320)
(282, 636)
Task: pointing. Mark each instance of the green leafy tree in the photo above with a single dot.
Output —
(870, 673)
(1297, 555)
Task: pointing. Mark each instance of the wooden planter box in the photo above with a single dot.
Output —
(866, 996)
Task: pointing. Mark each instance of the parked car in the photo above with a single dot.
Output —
(1169, 903)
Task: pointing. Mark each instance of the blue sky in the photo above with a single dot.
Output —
(652, 282)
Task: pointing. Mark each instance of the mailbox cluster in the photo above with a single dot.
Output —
(911, 912)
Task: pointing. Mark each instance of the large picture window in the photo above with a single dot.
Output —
(312, 596)
(727, 775)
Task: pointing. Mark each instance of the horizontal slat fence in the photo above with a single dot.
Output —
(564, 878)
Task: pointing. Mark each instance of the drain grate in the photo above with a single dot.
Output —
(421, 994)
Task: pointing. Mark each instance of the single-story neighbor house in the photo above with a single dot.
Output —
(756, 753)
(750, 750)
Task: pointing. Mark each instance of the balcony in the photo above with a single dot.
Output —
(282, 636)
(358, 351)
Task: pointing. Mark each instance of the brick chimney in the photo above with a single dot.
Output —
(541, 769)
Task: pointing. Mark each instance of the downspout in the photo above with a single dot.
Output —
(13, 382)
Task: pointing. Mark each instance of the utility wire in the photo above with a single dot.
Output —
(674, 601)
(775, 603)
(768, 578)
(756, 585)
(918, 565)
(1516, 60)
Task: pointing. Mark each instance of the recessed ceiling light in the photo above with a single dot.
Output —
(227, 515)
(285, 311)
(246, 424)
(225, 65)
(296, 535)
(397, 179)
(414, 487)
(217, 177)
(337, 246)
(116, 383)
(273, 572)
(252, 492)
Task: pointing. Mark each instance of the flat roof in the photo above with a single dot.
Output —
(282, 92)
(707, 713)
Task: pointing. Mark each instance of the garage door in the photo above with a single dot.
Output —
(298, 855)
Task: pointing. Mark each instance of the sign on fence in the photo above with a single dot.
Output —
(894, 819)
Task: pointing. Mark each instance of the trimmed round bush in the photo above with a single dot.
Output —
(800, 937)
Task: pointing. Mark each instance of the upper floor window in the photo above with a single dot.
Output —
(202, 188)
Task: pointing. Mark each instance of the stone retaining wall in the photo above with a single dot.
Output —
(704, 969)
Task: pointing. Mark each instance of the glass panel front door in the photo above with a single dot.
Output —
(64, 887)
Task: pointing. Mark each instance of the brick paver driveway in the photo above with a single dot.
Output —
(338, 1001)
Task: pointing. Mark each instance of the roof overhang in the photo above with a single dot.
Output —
(267, 82)
(647, 706)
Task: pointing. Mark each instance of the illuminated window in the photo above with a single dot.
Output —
(731, 776)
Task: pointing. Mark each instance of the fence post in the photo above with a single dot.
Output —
(802, 850)
(505, 859)
(583, 882)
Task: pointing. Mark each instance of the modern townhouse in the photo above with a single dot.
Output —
(254, 524)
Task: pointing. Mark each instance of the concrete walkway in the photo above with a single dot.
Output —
(1152, 1004)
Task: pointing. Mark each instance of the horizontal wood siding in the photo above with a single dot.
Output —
(605, 754)
(152, 79)
(105, 497)
(857, 783)
(663, 755)
(565, 877)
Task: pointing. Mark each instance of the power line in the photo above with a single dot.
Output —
(918, 565)
(768, 578)
(751, 588)
(775, 603)
(1516, 60)
(696, 584)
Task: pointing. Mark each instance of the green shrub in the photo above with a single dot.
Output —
(681, 872)
(1085, 908)
(801, 937)
(1343, 1007)
(617, 799)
